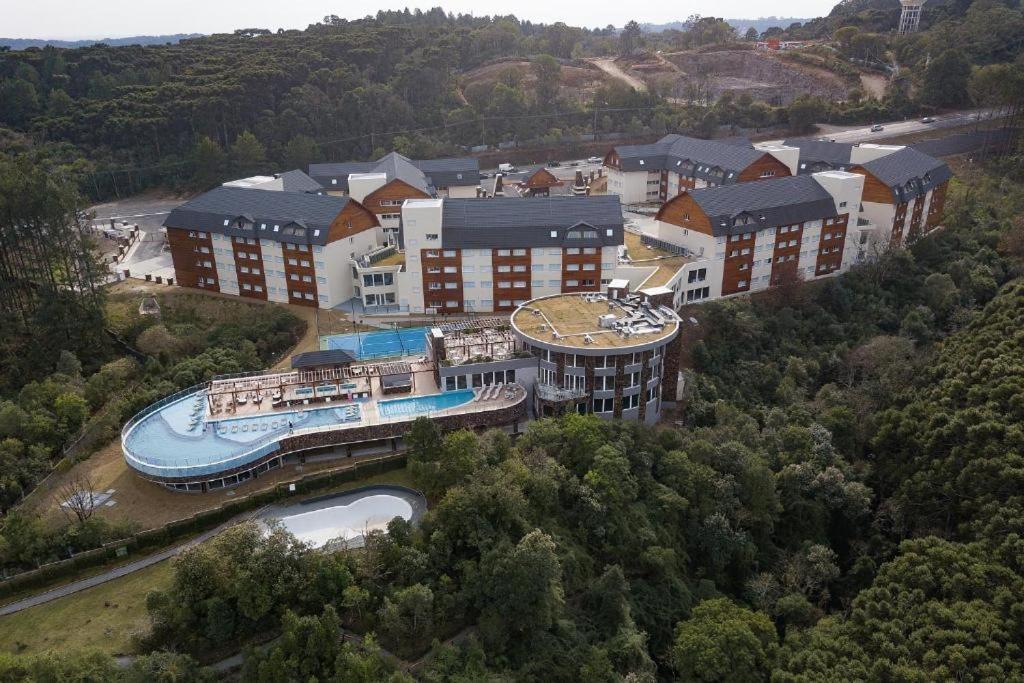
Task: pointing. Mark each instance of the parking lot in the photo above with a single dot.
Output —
(149, 255)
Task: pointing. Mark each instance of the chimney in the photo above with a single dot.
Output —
(498, 192)
(579, 186)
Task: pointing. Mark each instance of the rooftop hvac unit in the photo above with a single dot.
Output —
(587, 339)
(543, 327)
(535, 311)
(606, 320)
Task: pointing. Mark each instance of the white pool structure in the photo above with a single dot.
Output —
(343, 520)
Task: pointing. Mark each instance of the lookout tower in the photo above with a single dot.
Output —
(910, 17)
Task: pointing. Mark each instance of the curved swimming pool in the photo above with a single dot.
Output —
(348, 517)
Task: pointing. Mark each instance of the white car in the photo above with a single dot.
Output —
(594, 160)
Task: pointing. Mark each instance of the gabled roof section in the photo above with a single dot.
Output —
(676, 153)
(297, 181)
(422, 174)
(765, 203)
(511, 222)
(542, 178)
(395, 166)
(816, 155)
(293, 217)
(908, 173)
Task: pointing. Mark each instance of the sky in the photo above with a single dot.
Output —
(94, 19)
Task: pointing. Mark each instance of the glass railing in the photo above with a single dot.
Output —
(191, 467)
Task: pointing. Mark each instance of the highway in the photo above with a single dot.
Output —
(892, 129)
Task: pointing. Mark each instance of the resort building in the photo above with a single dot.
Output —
(289, 181)
(383, 185)
(904, 191)
(613, 354)
(477, 255)
(235, 428)
(747, 237)
(288, 247)
(656, 172)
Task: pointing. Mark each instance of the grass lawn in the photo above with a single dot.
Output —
(102, 617)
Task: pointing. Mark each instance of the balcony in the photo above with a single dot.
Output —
(553, 394)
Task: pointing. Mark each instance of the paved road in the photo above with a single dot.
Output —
(896, 128)
(117, 572)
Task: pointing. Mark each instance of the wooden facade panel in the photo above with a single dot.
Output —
(249, 257)
(833, 240)
(189, 260)
(586, 280)
(936, 207)
(739, 259)
(765, 167)
(300, 274)
(686, 213)
(353, 219)
(504, 283)
(898, 221)
(437, 291)
(384, 198)
(786, 258)
(875, 190)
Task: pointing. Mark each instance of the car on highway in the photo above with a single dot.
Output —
(877, 128)
(928, 119)
(595, 160)
(554, 164)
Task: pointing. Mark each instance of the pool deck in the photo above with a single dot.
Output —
(423, 383)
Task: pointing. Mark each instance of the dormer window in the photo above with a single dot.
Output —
(641, 162)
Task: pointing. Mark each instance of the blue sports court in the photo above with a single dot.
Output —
(408, 341)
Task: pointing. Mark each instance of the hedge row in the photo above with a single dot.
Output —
(197, 523)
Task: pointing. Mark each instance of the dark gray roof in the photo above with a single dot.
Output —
(908, 172)
(821, 155)
(513, 222)
(297, 181)
(718, 161)
(327, 357)
(424, 174)
(455, 172)
(764, 203)
(294, 217)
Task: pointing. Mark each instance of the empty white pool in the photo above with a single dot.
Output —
(353, 520)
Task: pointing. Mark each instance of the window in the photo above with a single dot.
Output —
(604, 383)
(578, 382)
(431, 235)
(767, 174)
(451, 303)
(572, 266)
(572, 283)
(504, 269)
(519, 252)
(431, 253)
(604, 405)
(504, 252)
(698, 275)
(634, 379)
(572, 250)
(631, 401)
(741, 284)
(449, 253)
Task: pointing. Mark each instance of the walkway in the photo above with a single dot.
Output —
(123, 570)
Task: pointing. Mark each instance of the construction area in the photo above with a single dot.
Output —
(704, 75)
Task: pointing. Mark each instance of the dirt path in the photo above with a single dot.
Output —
(615, 71)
